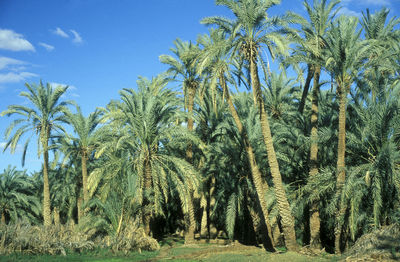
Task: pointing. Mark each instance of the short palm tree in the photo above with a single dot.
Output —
(43, 119)
(17, 198)
(250, 32)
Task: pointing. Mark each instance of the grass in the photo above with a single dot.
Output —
(174, 250)
(74, 257)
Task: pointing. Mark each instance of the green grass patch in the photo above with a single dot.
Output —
(102, 256)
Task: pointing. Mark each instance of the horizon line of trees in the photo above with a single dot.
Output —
(283, 163)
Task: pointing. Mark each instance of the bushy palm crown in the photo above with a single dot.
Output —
(43, 118)
(17, 199)
(147, 133)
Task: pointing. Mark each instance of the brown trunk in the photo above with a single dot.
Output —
(314, 213)
(203, 223)
(341, 165)
(56, 216)
(147, 189)
(255, 172)
(280, 194)
(191, 227)
(306, 87)
(191, 95)
(189, 236)
(46, 186)
(79, 207)
(211, 226)
(84, 178)
(3, 218)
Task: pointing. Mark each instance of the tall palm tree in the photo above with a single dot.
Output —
(42, 119)
(183, 69)
(17, 199)
(311, 50)
(85, 142)
(346, 55)
(216, 57)
(250, 32)
(145, 119)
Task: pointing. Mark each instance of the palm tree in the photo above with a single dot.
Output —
(384, 36)
(346, 54)
(146, 135)
(183, 69)
(85, 142)
(311, 50)
(216, 58)
(17, 199)
(252, 30)
(43, 119)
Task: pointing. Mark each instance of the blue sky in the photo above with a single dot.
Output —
(98, 47)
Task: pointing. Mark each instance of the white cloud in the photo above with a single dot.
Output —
(60, 32)
(47, 46)
(77, 38)
(345, 11)
(13, 41)
(12, 77)
(5, 62)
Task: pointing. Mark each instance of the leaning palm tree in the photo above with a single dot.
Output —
(250, 32)
(86, 140)
(42, 119)
(17, 199)
(346, 55)
(216, 57)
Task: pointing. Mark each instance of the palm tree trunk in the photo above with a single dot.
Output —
(341, 165)
(46, 186)
(191, 95)
(211, 226)
(147, 188)
(306, 87)
(283, 204)
(189, 235)
(255, 171)
(3, 218)
(79, 207)
(56, 216)
(314, 213)
(203, 223)
(84, 178)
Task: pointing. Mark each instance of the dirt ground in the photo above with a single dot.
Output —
(228, 252)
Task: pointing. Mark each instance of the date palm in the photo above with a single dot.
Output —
(346, 55)
(311, 50)
(84, 143)
(216, 57)
(43, 119)
(17, 199)
(251, 32)
(147, 136)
